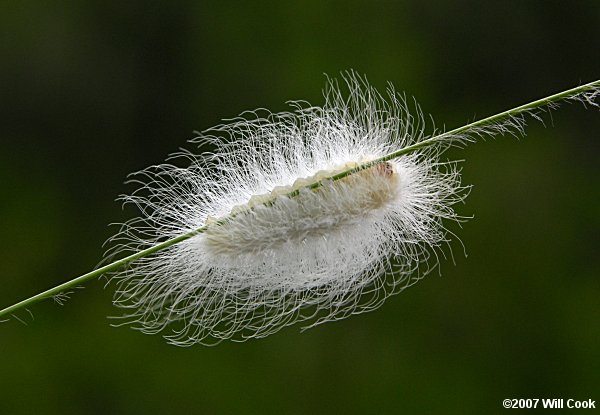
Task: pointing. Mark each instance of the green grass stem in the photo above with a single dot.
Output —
(440, 138)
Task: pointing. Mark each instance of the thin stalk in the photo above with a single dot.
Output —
(494, 119)
(97, 272)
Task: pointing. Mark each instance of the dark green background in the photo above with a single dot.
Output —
(93, 90)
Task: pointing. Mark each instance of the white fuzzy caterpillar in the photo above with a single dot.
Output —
(283, 241)
(321, 254)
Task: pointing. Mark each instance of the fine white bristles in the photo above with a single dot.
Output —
(310, 215)
(284, 239)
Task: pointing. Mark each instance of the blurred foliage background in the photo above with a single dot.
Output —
(93, 90)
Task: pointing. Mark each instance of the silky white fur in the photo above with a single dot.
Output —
(268, 259)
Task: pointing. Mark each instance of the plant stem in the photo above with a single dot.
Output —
(494, 119)
(97, 272)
